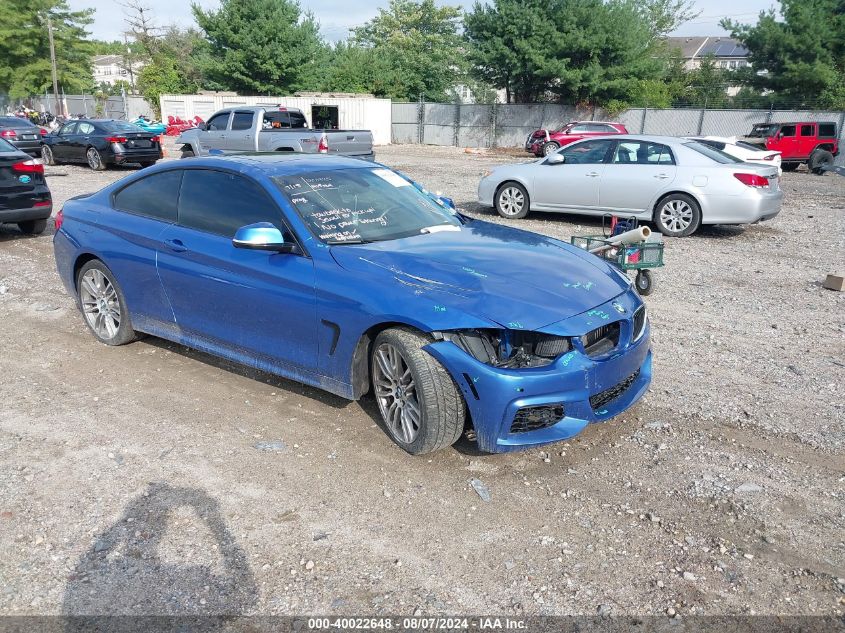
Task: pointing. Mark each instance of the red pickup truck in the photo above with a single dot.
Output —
(545, 142)
(815, 143)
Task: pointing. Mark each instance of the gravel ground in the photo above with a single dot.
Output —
(153, 479)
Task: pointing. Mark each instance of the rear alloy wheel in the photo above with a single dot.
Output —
(820, 161)
(47, 155)
(103, 305)
(512, 201)
(95, 161)
(550, 148)
(33, 227)
(419, 402)
(677, 215)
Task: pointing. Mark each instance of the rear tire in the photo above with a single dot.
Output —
(512, 201)
(102, 304)
(33, 227)
(820, 161)
(95, 161)
(421, 405)
(47, 155)
(677, 215)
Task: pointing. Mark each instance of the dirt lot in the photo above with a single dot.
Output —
(153, 479)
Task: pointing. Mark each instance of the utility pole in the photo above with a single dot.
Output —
(127, 61)
(59, 105)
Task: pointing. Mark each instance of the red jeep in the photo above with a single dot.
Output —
(813, 142)
(545, 142)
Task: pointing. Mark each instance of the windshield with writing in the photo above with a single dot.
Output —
(354, 206)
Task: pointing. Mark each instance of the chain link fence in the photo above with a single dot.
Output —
(117, 107)
(498, 125)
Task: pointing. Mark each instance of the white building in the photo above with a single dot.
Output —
(110, 69)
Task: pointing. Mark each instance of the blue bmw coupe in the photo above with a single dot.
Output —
(347, 276)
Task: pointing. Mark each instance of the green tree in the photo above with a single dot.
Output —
(352, 68)
(707, 85)
(575, 50)
(418, 47)
(801, 57)
(25, 48)
(261, 46)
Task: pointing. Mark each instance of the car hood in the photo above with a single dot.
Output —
(515, 278)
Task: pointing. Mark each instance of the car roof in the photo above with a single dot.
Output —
(275, 163)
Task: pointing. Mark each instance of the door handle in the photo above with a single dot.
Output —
(592, 174)
(661, 176)
(176, 246)
(350, 138)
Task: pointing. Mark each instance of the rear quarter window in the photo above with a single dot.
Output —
(712, 153)
(154, 196)
(827, 130)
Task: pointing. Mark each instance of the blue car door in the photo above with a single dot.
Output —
(258, 306)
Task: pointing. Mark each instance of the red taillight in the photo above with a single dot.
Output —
(8, 134)
(116, 139)
(43, 203)
(28, 167)
(323, 147)
(155, 139)
(60, 218)
(752, 180)
(43, 132)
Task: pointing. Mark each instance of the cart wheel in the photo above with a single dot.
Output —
(644, 282)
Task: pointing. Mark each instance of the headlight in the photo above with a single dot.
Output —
(510, 349)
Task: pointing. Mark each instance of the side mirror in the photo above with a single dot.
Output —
(262, 236)
(556, 159)
(201, 127)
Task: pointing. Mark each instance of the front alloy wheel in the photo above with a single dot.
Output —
(421, 405)
(512, 201)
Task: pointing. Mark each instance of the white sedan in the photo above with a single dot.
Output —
(678, 184)
(742, 150)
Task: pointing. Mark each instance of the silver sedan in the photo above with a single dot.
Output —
(678, 184)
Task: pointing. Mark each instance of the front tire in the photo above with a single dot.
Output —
(95, 161)
(550, 148)
(103, 305)
(789, 166)
(820, 161)
(33, 227)
(677, 215)
(187, 153)
(512, 201)
(420, 404)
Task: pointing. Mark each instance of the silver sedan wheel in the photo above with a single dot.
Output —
(396, 393)
(511, 201)
(100, 304)
(676, 215)
(46, 155)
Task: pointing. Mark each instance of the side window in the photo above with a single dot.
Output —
(642, 153)
(587, 153)
(86, 128)
(787, 130)
(154, 196)
(275, 119)
(807, 130)
(67, 129)
(297, 120)
(579, 129)
(242, 121)
(221, 203)
(827, 130)
(218, 123)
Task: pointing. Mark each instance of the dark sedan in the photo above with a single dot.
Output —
(22, 133)
(99, 143)
(24, 197)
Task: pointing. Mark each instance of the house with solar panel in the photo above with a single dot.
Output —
(727, 52)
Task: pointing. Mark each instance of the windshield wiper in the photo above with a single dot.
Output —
(357, 240)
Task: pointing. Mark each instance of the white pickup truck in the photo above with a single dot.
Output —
(270, 129)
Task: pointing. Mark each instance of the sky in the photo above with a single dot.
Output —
(336, 17)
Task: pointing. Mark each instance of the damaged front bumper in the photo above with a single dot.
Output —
(519, 408)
